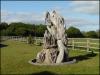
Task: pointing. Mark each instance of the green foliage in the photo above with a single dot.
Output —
(11, 30)
(3, 32)
(91, 34)
(98, 33)
(30, 40)
(73, 32)
(39, 30)
(3, 25)
(22, 29)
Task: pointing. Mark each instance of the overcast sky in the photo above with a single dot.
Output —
(81, 14)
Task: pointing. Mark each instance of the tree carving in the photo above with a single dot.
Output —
(55, 40)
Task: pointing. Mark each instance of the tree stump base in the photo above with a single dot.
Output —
(33, 62)
(54, 41)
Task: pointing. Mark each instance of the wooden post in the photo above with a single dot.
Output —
(87, 45)
(73, 44)
(35, 40)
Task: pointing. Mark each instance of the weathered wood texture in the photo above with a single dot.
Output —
(55, 40)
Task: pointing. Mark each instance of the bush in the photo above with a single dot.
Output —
(30, 40)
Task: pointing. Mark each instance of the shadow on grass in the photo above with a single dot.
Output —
(44, 73)
(2, 45)
(83, 57)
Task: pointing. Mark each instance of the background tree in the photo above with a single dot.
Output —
(91, 34)
(23, 29)
(3, 25)
(98, 33)
(39, 30)
(73, 32)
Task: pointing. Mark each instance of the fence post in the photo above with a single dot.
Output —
(72, 44)
(88, 45)
(35, 40)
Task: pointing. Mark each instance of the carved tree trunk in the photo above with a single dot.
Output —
(55, 41)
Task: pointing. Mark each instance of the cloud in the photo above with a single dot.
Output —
(37, 18)
(32, 17)
(26, 17)
(82, 24)
(79, 21)
(87, 7)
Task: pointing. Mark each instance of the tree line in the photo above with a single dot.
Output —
(23, 29)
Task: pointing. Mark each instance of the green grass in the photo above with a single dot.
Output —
(15, 57)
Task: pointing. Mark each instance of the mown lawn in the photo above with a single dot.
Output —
(15, 56)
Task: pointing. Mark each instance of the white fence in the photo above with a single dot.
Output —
(74, 43)
(20, 38)
(87, 43)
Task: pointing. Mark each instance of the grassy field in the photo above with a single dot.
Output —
(15, 56)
